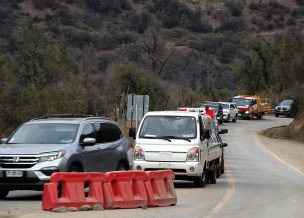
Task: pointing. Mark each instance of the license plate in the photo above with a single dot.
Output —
(14, 173)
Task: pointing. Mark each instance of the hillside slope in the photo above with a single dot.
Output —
(180, 52)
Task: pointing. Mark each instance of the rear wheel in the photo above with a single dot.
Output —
(235, 118)
(218, 169)
(201, 181)
(3, 194)
(228, 119)
(122, 167)
(212, 175)
(222, 165)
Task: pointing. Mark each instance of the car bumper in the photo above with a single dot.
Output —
(191, 169)
(32, 178)
(283, 112)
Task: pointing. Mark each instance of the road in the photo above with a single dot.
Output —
(255, 184)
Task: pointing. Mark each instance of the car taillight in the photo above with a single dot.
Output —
(193, 154)
(139, 153)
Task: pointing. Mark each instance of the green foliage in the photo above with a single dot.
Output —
(131, 79)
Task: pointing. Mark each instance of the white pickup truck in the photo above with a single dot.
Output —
(184, 142)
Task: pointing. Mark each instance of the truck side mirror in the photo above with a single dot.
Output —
(132, 132)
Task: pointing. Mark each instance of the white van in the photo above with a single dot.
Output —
(178, 141)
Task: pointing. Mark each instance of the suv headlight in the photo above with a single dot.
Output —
(193, 154)
(139, 153)
(51, 156)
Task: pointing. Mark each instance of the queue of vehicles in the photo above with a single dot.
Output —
(186, 141)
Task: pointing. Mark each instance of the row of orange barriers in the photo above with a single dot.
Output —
(119, 189)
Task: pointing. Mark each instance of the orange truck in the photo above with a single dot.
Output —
(250, 106)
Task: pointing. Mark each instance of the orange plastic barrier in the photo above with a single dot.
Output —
(125, 189)
(160, 188)
(73, 190)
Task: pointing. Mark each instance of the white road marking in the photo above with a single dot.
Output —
(227, 196)
(277, 157)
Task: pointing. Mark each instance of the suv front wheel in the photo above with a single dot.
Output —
(3, 194)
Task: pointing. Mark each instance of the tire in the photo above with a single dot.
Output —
(201, 181)
(212, 175)
(122, 167)
(218, 170)
(74, 168)
(222, 165)
(228, 119)
(3, 194)
(235, 118)
(276, 115)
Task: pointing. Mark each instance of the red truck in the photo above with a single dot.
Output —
(252, 106)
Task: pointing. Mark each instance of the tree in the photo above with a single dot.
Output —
(153, 52)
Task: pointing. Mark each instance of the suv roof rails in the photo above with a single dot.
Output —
(71, 116)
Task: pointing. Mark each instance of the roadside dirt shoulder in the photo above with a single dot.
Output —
(291, 152)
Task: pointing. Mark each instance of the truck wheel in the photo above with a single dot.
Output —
(212, 175)
(228, 119)
(234, 119)
(222, 165)
(201, 181)
(218, 170)
(3, 194)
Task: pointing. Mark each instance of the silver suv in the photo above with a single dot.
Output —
(60, 144)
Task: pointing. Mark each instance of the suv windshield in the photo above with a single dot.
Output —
(45, 133)
(168, 127)
(286, 103)
(241, 101)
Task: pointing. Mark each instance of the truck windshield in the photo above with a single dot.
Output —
(168, 127)
(45, 133)
(241, 101)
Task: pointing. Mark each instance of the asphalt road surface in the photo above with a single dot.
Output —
(255, 184)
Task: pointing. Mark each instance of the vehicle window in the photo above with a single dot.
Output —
(45, 133)
(241, 101)
(87, 132)
(225, 106)
(183, 127)
(107, 132)
(286, 103)
(233, 106)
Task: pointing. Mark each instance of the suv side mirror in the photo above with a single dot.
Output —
(88, 142)
(223, 131)
(132, 132)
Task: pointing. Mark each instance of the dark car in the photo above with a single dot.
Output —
(218, 110)
(60, 144)
(284, 108)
